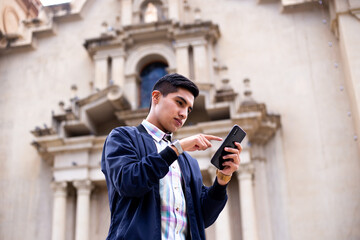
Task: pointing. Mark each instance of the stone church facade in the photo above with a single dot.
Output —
(286, 71)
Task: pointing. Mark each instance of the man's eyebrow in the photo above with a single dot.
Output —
(183, 99)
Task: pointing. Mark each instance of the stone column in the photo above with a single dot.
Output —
(59, 210)
(101, 70)
(248, 214)
(262, 203)
(182, 58)
(82, 209)
(222, 224)
(132, 91)
(174, 10)
(201, 61)
(126, 12)
(118, 65)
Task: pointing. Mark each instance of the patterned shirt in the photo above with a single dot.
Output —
(173, 205)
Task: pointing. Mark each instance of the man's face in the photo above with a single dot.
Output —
(171, 112)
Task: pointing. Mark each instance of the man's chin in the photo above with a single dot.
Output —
(175, 128)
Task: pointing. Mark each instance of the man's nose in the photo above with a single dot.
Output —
(183, 114)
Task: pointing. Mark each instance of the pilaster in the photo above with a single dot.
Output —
(126, 12)
(101, 70)
(201, 61)
(182, 58)
(174, 10)
(132, 93)
(118, 65)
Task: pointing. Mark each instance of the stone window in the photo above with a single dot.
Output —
(149, 75)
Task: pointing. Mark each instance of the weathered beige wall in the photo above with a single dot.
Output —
(291, 67)
(313, 166)
(32, 84)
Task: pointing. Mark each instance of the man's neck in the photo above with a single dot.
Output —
(156, 124)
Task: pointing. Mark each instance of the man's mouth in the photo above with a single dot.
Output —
(178, 121)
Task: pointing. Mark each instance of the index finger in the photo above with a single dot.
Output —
(212, 137)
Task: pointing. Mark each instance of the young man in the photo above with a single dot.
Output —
(155, 188)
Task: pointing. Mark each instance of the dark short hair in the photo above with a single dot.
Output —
(171, 82)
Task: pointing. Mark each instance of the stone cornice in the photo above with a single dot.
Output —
(74, 128)
(296, 5)
(49, 146)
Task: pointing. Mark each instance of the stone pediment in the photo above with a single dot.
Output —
(145, 32)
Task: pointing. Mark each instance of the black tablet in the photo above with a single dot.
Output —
(235, 135)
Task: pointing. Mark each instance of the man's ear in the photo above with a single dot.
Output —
(156, 96)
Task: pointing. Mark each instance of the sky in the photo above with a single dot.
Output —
(52, 2)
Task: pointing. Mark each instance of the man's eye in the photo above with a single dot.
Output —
(180, 103)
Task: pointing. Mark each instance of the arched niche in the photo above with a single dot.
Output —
(145, 54)
(137, 60)
(149, 75)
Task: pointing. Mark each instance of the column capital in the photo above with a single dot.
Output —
(59, 188)
(83, 187)
(246, 171)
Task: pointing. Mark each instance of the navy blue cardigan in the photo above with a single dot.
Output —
(133, 167)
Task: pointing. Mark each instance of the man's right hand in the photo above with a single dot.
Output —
(198, 142)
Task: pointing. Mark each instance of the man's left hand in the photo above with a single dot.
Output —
(233, 161)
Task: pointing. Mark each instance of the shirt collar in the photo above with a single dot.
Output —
(154, 131)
